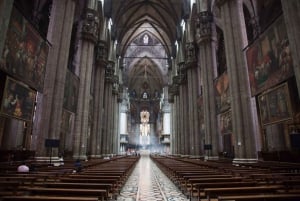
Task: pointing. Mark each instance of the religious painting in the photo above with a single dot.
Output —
(275, 105)
(226, 122)
(18, 100)
(25, 52)
(269, 58)
(71, 92)
(222, 93)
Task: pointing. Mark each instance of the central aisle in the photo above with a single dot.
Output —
(148, 183)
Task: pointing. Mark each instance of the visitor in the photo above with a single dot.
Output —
(78, 166)
(23, 168)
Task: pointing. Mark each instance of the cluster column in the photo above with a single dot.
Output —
(108, 103)
(50, 103)
(99, 77)
(241, 103)
(89, 36)
(123, 126)
(115, 113)
(173, 99)
(207, 58)
(192, 81)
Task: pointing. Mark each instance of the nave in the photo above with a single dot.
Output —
(147, 182)
(150, 177)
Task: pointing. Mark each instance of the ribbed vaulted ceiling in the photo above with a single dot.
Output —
(146, 62)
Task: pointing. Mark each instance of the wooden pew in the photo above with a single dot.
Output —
(198, 187)
(194, 178)
(195, 181)
(106, 186)
(215, 192)
(46, 198)
(114, 182)
(100, 193)
(9, 187)
(261, 197)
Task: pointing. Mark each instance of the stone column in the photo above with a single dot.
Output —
(181, 118)
(115, 111)
(123, 121)
(207, 58)
(5, 12)
(99, 76)
(166, 120)
(107, 118)
(186, 117)
(173, 99)
(192, 98)
(89, 36)
(178, 118)
(291, 10)
(241, 105)
(50, 103)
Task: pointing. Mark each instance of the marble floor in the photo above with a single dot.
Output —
(148, 183)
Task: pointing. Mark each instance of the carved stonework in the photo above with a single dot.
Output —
(190, 55)
(90, 25)
(181, 68)
(204, 26)
(256, 28)
(120, 93)
(173, 89)
(176, 80)
(182, 73)
(220, 3)
(109, 72)
(101, 52)
(115, 90)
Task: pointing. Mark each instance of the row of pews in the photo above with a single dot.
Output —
(100, 179)
(224, 181)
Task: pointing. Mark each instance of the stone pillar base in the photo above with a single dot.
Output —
(244, 160)
(81, 157)
(214, 158)
(95, 156)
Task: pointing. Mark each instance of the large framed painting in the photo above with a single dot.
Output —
(222, 93)
(226, 122)
(25, 52)
(275, 105)
(269, 58)
(71, 92)
(18, 100)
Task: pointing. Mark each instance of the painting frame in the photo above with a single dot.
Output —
(18, 100)
(222, 91)
(71, 92)
(226, 122)
(25, 52)
(275, 105)
(269, 58)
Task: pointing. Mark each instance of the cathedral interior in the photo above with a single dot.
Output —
(149, 100)
(200, 78)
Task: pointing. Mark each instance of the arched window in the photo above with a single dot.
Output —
(145, 128)
(146, 39)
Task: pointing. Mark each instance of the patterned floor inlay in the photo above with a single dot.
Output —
(148, 183)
